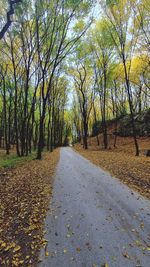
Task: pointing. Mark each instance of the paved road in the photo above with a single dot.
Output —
(94, 219)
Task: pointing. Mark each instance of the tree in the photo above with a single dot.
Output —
(35, 47)
(10, 12)
(54, 44)
(119, 13)
(83, 79)
(103, 54)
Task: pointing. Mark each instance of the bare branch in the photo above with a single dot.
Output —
(9, 14)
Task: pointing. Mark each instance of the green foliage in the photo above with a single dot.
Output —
(10, 161)
(49, 42)
(112, 2)
(82, 7)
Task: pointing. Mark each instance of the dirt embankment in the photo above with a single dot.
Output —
(121, 161)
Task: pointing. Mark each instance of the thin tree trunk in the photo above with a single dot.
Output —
(131, 109)
(116, 112)
(5, 118)
(15, 103)
(49, 124)
(104, 114)
(41, 131)
(95, 118)
(85, 126)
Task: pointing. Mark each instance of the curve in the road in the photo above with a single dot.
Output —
(94, 219)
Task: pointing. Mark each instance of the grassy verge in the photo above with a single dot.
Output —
(25, 192)
(9, 161)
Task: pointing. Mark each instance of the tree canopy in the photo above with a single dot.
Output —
(63, 69)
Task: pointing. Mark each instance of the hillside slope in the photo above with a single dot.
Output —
(121, 161)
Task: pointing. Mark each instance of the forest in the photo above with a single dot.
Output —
(74, 76)
(64, 68)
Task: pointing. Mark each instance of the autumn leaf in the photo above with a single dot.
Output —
(3, 244)
(28, 191)
(17, 248)
(142, 225)
(46, 253)
(105, 265)
(131, 170)
(125, 254)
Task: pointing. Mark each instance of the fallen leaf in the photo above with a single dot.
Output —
(3, 245)
(28, 189)
(17, 248)
(105, 265)
(46, 253)
(125, 254)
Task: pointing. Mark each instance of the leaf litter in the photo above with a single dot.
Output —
(25, 193)
(121, 161)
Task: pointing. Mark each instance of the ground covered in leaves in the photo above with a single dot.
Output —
(121, 161)
(25, 192)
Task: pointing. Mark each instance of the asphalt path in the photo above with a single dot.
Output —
(94, 219)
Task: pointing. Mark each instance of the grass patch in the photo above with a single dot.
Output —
(12, 160)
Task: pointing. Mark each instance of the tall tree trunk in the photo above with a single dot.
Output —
(95, 119)
(41, 138)
(52, 124)
(139, 99)
(131, 108)
(9, 119)
(41, 131)
(116, 112)
(35, 136)
(5, 118)
(85, 126)
(104, 112)
(24, 130)
(48, 127)
(15, 103)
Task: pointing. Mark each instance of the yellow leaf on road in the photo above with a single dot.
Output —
(46, 253)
